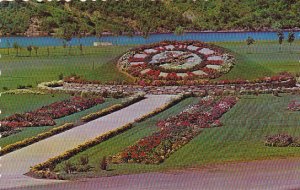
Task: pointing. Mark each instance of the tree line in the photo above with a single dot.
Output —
(129, 17)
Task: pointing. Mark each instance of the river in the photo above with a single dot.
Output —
(125, 40)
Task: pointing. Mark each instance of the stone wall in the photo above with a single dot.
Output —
(199, 89)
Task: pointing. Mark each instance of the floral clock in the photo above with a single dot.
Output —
(176, 60)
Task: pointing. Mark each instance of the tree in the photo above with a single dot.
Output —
(291, 38)
(8, 46)
(179, 31)
(66, 33)
(280, 36)
(48, 51)
(36, 49)
(17, 47)
(29, 48)
(81, 48)
(250, 41)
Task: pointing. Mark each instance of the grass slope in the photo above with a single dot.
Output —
(241, 138)
(31, 70)
(264, 58)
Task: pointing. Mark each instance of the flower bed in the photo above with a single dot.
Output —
(45, 116)
(294, 106)
(177, 131)
(43, 170)
(282, 140)
(172, 60)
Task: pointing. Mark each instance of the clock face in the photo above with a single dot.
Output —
(176, 61)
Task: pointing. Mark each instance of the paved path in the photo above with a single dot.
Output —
(265, 175)
(15, 164)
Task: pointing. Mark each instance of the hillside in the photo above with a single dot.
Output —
(144, 17)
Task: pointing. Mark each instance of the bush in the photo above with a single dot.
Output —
(84, 160)
(28, 141)
(60, 76)
(279, 140)
(69, 167)
(21, 87)
(83, 168)
(104, 164)
(113, 108)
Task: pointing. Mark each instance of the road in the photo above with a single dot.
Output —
(256, 175)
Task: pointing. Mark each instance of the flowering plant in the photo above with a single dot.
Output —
(176, 131)
(45, 115)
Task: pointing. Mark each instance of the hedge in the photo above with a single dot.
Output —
(113, 108)
(29, 141)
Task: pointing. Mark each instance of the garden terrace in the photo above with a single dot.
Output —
(239, 139)
(283, 82)
(174, 60)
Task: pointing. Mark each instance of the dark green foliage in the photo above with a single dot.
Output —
(104, 163)
(250, 41)
(29, 49)
(126, 17)
(69, 167)
(291, 37)
(84, 160)
(280, 37)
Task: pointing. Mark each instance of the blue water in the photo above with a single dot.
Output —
(125, 40)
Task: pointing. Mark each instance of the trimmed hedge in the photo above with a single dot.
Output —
(29, 141)
(113, 108)
(164, 107)
(43, 170)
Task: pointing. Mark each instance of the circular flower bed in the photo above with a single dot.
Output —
(174, 60)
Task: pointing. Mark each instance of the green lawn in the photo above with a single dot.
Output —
(11, 104)
(263, 58)
(241, 138)
(93, 65)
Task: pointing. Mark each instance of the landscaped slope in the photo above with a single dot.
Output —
(146, 16)
(240, 138)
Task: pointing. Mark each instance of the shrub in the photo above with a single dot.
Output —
(28, 141)
(104, 163)
(69, 167)
(21, 87)
(60, 76)
(279, 140)
(113, 108)
(83, 168)
(84, 160)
